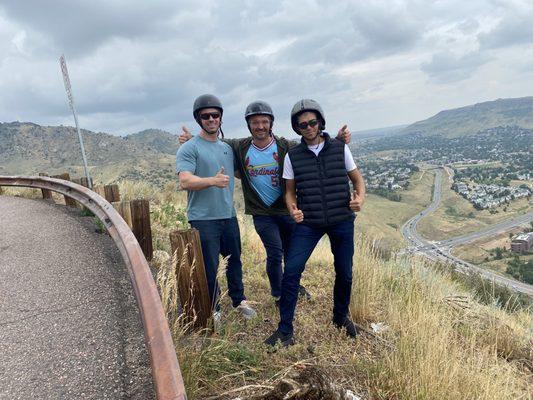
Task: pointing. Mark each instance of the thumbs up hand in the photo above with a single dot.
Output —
(344, 134)
(220, 180)
(297, 215)
(356, 202)
(185, 135)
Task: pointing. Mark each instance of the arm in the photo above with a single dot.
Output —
(234, 143)
(344, 135)
(290, 201)
(189, 181)
(187, 135)
(186, 159)
(358, 196)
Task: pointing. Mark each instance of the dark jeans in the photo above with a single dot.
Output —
(303, 242)
(275, 232)
(222, 236)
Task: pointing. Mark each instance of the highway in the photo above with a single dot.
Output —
(440, 251)
(488, 231)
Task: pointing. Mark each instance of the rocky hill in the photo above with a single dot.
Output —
(28, 148)
(472, 119)
(155, 139)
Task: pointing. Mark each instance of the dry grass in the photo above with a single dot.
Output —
(382, 219)
(440, 342)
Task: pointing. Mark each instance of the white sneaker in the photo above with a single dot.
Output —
(217, 318)
(246, 310)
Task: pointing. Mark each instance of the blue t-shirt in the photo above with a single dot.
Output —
(204, 159)
(263, 169)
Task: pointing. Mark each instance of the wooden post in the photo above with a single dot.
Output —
(124, 209)
(111, 193)
(99, 190)
(190, 274)
(47, 194)
(85, 182)
(68, 200)
(140, 225)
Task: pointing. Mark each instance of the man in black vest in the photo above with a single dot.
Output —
(318, 197)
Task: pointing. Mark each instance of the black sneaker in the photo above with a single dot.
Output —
(347, 324)
(303, 293)
(284, 340)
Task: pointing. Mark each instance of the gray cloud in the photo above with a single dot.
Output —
(78, 27)
(515, 28)
(446, 67)
(136, 65)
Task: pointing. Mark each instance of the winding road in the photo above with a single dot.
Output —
(440, 251)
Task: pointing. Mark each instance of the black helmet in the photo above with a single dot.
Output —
(206, 101)
(258, 108)
(303, 106)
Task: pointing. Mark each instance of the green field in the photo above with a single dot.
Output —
(382, 218)
(457, 216)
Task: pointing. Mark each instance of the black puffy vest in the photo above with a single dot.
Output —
(322, 183)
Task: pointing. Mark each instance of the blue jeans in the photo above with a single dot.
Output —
(303, 242)
(275, 232)
(221, 236)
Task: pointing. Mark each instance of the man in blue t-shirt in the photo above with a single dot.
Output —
(205, 168)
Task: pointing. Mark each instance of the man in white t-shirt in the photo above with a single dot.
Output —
(319, 199)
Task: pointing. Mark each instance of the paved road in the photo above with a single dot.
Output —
(408, 230)
(492, 230)
(69, 324)
(440, 251)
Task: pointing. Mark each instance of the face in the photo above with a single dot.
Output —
(260, 126)
(308, 118)
(212, 124)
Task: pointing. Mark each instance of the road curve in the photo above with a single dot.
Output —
(440, 251)
(69, 323)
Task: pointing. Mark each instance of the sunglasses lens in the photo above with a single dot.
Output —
(304, 125)
(206, 116)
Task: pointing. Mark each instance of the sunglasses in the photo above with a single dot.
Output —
(304, 125)
(213, 115)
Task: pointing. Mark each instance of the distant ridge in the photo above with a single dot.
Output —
(474, 118)
(28, 148)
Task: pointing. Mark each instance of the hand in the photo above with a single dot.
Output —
(185, 135)
(297, 215)
(356, 202)
(220, 180)
(344, 134)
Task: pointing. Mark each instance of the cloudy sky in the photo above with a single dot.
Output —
(138, 64)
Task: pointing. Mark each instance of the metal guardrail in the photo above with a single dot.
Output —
(166, 372)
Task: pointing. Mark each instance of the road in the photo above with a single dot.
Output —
(440, 251)
(69, 323)
(488, 231)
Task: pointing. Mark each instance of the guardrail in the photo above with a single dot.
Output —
(166, 372)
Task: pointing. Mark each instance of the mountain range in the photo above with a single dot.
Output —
(28, 148)
(475, 118)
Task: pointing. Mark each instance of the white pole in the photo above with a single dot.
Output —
(68, 88)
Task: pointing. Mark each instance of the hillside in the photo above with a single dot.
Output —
(155, 139)
(28, 148)
(474, 118)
